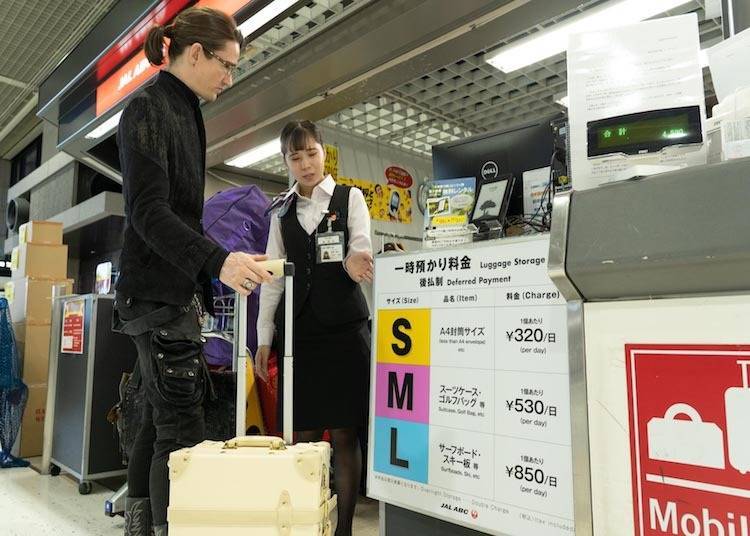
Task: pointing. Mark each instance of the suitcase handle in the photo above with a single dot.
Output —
(743, 364)
(256, 442)
(274, 266)
(683, 409)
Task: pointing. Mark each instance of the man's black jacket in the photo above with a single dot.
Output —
(162, 143)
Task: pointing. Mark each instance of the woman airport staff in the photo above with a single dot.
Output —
(324, 229)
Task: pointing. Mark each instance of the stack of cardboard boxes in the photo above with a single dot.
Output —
(39, 263)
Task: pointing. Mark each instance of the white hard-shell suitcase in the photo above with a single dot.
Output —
(250, 485)
(254, 485)
(737, 407)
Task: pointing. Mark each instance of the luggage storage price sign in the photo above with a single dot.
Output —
(690, 439)
(470, 401)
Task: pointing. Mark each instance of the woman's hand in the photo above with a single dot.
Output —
(359, 266)
(261, 362)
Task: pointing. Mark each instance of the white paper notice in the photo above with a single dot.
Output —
(728, 62)
(651, 65)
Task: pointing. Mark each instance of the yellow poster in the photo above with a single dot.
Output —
(386, 202)
(331, 166)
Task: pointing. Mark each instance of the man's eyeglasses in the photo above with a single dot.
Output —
(229, 67)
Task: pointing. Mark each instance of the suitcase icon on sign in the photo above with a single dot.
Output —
(737, 407)
(691, 442)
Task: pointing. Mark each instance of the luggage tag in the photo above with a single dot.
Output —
(329, 246)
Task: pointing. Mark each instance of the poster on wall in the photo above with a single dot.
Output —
(470, 399)
(386, 202)
(618, 75)
(331, 164)
(71, 340)
(399, 177)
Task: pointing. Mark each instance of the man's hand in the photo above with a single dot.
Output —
(240, 267)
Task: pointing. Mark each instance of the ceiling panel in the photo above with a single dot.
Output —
(35, 36)
(470, 96)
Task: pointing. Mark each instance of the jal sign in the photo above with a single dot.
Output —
(689, 409)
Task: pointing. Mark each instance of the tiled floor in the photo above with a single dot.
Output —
(35, 505)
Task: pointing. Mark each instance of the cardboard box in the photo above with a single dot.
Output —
(33, 348)
(30, 300)
(41, 232)
(32, 424)
(39, 261)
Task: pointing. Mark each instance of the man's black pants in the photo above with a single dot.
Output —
(174, 378)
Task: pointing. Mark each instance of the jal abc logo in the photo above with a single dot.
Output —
(458, 509)
(490, 170)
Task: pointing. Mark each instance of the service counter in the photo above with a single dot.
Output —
(657, 276)
(590, 381)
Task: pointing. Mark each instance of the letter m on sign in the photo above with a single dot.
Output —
(402, 394)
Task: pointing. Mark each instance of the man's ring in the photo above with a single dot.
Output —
(249, 284)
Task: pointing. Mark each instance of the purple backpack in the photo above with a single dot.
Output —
(235, 219)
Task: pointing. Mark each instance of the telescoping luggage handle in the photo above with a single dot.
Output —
(241, 354)
(288, 360)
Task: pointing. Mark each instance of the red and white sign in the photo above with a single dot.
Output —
(71, 341)
(689, 409)
(137, 70)
(398, 177)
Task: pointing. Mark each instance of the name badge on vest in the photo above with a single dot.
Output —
(329, 246)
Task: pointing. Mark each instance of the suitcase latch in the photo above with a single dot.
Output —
(284, 514)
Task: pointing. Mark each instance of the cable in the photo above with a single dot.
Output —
(545, 205)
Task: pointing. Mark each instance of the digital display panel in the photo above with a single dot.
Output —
(645, 132)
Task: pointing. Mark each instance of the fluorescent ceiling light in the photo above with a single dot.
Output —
(265, 15)
(261, 152)
(105, 128)
(554, 40)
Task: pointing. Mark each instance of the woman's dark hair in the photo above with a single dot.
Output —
(209, 27)
(295, 134)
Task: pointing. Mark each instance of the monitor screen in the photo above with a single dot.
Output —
(490, 200)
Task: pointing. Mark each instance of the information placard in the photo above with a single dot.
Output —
(470, 401)
(647, 67)
(71, 340)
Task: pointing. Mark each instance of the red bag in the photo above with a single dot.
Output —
(269, 394)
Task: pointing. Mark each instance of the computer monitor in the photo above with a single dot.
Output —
(510, 151)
